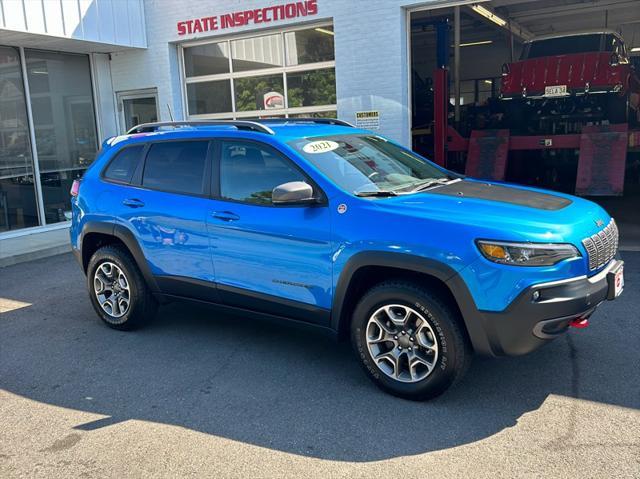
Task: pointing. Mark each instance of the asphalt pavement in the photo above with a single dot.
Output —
(198, 393)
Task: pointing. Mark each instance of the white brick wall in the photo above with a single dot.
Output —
(370, 45)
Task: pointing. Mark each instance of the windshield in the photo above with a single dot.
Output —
(563, 46)
(364, 164)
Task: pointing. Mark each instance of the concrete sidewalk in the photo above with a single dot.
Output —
(36, 245)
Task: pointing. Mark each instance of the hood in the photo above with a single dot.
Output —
(507, 212)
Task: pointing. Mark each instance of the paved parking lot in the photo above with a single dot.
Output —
(202, 394)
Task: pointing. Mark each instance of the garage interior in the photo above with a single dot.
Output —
(571, 142)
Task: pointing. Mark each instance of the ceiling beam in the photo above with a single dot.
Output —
(513, 26)
(565, 10)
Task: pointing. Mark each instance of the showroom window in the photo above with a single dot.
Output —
(289, 73)
(64, 123)
(36, 172)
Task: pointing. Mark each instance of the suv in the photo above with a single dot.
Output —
(316, 221)
(582, 74)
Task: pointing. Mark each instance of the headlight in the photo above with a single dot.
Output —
(526, 254)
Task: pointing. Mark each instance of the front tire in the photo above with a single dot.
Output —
(117, 289)
(409, 341)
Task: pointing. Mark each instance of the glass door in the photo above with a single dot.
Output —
(137, 107)
(18, 200)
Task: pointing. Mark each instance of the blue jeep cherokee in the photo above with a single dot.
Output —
(317, 221)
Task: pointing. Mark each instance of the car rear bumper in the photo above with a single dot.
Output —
(539, 314)
(573, 92)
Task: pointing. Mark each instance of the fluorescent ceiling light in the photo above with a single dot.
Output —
(635, 49)
(473, 44)
(488, 82)
(489, 15)
(324, 30)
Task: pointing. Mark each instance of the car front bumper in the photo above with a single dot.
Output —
(541, 313)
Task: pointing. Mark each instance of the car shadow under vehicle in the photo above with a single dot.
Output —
(286, 388)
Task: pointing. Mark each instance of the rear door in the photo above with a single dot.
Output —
(275, 259)
(166, 208)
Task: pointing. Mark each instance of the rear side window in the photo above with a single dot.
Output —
(176, 166)
(564, 46)
(122, 167)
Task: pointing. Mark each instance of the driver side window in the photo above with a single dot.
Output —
(249, 172)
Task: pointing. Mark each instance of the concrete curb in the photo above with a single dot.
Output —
(33, 255)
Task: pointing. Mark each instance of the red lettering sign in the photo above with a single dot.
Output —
(245, 17)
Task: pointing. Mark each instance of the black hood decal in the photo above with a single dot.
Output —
(503, 194)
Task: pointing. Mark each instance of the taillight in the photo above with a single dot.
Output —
(75, 188)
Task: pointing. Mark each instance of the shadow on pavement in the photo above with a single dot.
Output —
(284, 388)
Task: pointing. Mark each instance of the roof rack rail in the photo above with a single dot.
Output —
(239, 124)
(323, 121)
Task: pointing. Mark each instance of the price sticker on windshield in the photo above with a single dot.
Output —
(322, 146)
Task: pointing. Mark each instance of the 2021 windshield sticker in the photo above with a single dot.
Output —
(321, 146)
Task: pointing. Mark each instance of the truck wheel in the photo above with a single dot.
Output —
(409, 341)
(117, 289)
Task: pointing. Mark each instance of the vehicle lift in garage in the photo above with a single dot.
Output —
(602, 148)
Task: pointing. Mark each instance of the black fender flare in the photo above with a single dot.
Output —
(418, 264)
(127, 237)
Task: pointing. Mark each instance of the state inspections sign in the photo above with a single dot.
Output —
(368, 120)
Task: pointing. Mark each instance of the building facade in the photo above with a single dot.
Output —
(75, 72)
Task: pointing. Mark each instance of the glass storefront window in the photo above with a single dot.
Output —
(18, 204)
(312, 88)
(210, 59)
(259, 93)
(64, 122)
(316, 114)
(248, 89)
(256, 53)
(310, 46)
(209, 97)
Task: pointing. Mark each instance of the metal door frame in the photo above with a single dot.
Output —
(133, 95)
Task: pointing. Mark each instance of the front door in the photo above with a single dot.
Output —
(275, 259)
(136, 107)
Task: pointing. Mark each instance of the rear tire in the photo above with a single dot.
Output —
(409, 341)
(117, 289)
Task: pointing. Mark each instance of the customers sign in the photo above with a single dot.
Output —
(241, 18)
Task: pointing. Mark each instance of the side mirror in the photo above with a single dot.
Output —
(293, 193)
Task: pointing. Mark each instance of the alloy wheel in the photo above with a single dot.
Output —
(402, 343)
(111, 288)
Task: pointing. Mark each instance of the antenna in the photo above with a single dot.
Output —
(170, 114)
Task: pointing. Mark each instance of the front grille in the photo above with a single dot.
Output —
(602, 246)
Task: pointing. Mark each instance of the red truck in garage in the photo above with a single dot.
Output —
(584, 76)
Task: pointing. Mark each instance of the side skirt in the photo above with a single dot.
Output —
(242, 300)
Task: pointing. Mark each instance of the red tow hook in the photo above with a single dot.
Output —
(579, 323)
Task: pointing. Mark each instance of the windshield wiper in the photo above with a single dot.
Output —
(431, 182)
(378, 193)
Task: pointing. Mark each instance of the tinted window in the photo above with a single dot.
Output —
(367, 163)
(124, 164)
(177, 166)
(564, 46)
(249, 172)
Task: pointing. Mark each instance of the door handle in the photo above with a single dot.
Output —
(133, 203)
(225, 215)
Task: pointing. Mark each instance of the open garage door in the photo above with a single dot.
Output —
(542, 93)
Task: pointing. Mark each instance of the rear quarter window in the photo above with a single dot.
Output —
(122, 167)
